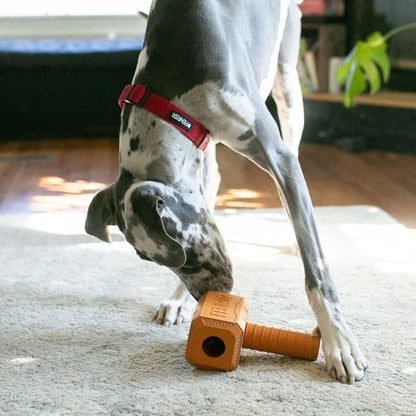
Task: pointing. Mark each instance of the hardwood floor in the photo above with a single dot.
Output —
(334, 177)
(62, 176)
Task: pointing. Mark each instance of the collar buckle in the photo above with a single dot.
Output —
(204, 142)
(141, 94)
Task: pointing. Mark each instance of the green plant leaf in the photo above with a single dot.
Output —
(378, 53)
(373, 76)
(364, 63)
(355, 84)
(342, 73)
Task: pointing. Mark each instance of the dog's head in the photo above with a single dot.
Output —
(165, 227)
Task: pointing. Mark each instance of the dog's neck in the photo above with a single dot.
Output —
(150, 149)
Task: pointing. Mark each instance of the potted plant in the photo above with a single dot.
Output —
(368, 62)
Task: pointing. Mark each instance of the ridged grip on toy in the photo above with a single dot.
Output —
(280, 341)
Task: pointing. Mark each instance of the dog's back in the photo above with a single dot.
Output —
(236, 44)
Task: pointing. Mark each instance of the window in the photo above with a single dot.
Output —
(71, 7)
(69, 19)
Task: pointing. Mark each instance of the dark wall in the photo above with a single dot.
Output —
(62, 95)
(362, 127)
(359, 128)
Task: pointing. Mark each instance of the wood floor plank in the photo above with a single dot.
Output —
(63, 175)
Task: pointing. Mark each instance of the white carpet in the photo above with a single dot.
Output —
(76, 336)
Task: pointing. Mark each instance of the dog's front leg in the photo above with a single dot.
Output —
(211, 177)
(180, 306)
(343, 357)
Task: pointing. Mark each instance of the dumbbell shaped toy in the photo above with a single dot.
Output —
(219, 330)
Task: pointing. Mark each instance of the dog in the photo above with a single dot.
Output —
(204, 72)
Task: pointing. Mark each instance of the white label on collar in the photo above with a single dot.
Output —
(180, 120)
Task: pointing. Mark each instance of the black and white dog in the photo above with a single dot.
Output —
(206, 69)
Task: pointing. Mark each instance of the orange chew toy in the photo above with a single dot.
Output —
(220, 329)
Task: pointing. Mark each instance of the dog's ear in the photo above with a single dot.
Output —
(163, 249)
(101, 214)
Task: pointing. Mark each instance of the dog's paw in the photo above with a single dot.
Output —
(173, 311)
(178, 309)
(344, 360)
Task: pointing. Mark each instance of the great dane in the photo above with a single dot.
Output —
(205, 70)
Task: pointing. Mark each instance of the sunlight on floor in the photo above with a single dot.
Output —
(60, 203)
(56, 184)
(60, 195)
(57, 194)
(23, 360)
(410, 370)
(395, 257)
(259, 235)
(240, 198)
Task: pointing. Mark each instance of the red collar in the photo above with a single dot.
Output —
(143, 97)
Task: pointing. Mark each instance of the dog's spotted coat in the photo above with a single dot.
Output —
(217, 60)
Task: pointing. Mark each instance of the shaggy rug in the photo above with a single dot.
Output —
(76, 336)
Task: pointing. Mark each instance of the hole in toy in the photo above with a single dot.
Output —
(213, 346)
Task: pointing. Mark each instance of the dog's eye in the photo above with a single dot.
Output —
(160, 204)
